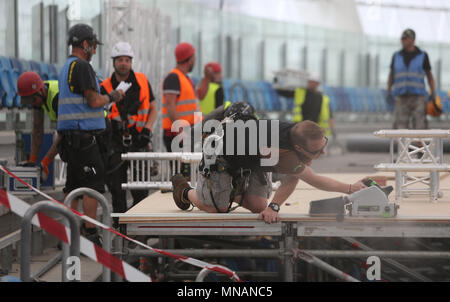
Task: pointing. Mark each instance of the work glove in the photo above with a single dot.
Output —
(44, 168)
(144, 138)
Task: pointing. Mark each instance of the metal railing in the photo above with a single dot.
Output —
(106, 219)
(26, 235)
(169, 164)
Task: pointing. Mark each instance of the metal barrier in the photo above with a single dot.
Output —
(140, 177)
(106, 217)
(169, 165)
(26, 235)
(202, 275)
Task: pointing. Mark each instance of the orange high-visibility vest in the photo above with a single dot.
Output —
(186, 102)
(140, 119)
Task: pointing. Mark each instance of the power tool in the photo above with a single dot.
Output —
(369, 202)
(372, 201)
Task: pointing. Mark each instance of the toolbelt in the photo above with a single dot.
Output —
(81, 141)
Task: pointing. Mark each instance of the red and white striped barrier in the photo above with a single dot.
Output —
(88, 248)
(62, 232)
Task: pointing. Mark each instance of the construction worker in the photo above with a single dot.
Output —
(406, 84)
(312, 105)
(43, 97)
(132, 120)
(210, 91)
(220, 186)
(81, 122)
(179, 99)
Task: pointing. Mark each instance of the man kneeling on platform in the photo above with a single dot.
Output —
(243, 180)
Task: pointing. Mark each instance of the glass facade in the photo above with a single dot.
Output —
(249, 48)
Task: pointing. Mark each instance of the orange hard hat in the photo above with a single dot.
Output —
(434, 108)
(29, 83)
(184, 51)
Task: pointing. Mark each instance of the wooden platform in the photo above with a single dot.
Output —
(159, 207)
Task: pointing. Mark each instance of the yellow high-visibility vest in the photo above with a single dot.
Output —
(324, 116)
(208, 104)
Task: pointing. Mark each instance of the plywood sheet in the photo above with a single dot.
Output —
(160, 207)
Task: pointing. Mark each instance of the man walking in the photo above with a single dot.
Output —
(406, 84)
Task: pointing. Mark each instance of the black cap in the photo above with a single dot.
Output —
(81, 32)
(409, 33)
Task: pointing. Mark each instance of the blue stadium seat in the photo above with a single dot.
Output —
(330, 93)
(16, 65)
(274, 98)
(26, 66)
(258, 97)
(2, 93)
(53, 72)
(8, 90)
(346, 99)
(226, 90)
(366, 100)
(9, 82)
(44, 71)
(379, 99)
(444, 100)
(35, 67)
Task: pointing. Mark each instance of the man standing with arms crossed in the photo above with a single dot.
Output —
(81, 122)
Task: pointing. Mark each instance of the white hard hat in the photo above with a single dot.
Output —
(314, 77)
(122, 49)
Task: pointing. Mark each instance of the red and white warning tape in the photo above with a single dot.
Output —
(62, 232)
(94, 252)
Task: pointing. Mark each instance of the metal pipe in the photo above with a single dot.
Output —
(106, 217)
(26, 234)
(268, 253)
(47, 266)
(307, 257)
(186, 157)
(390, 262)
(202, 275)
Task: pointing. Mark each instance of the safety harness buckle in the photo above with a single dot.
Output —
(127, 140)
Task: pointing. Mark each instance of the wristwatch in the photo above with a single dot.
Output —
(274, 207)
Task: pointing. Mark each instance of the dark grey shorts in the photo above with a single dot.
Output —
(411, 108)
(221, 187)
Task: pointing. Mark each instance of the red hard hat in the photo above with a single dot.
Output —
(29, 83)
(184, 51)
(215, 67)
